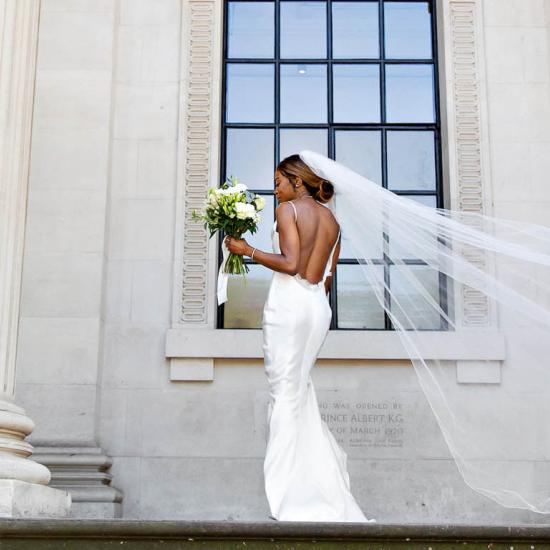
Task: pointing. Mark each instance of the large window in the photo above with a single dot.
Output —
(355, 80)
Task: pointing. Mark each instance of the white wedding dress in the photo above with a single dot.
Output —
(305, 469)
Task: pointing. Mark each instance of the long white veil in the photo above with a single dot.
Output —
(469, 296)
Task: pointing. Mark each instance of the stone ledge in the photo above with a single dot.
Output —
(478, 345)
(195, 530)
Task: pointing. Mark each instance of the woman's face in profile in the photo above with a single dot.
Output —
(284, 190)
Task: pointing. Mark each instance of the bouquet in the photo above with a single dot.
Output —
(233, 209)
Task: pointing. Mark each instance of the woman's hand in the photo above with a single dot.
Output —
(238, 246)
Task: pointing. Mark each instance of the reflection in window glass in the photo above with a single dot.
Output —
(262, 238)
(355, 30)
(295, 140)
(249, 156)
(251, 29)
(361, 151)
(245, 307)
(408, 32)
(411, 160)
(303, 93)
(407, 302)
(250, 92)
(303, 30)
(358, 307)
(356, 93)
(409, 93)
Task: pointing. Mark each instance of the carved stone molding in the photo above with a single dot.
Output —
(84, 472)
(197, 121)
(467, 106)
(465, 53)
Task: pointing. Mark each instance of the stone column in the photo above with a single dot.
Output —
(23, 482)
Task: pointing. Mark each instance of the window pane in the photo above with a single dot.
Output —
(361, 151)
(244, 309)
(416, 250)
(409, 93)
(427, 200)
(303, 30)
(358, 306)
(374, 244)
(250, 29)
(411, 160)
(303, 93)
(355, 30)
(293, 141)
(262, 238)
(356, 93)
(250, 92)
(407, 301)
(250, 156)
(408, 32)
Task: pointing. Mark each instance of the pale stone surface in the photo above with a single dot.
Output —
(19, 499)
(66, 220)
(133, 357)
(141, 229)
(54, 283)
(195, 369)
(72, 100)
(516, 13)
(148, 53)
(69, 159)
(88, 6)
(97, 297)
(64, 413)
(482, 372)
(89, 35)
(149, 12)
(147, 111)
(58, 350)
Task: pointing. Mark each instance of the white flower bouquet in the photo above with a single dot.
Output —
(233, 209)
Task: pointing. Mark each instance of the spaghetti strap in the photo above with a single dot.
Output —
(295, 213)
(328, 267)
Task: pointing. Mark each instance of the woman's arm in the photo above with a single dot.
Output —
(335, 256)
(289, 243)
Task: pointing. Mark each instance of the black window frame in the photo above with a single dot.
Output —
(383, 126)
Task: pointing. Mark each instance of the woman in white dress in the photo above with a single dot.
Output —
(305, 469)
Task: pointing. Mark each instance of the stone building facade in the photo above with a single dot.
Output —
(143, 408)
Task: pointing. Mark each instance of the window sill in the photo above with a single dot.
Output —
(192, 351)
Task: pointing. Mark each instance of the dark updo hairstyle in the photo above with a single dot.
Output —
(293, 166)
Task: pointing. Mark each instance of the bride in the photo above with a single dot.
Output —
(486, 375)
(305, 469)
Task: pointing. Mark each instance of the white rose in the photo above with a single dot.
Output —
(260, 202)
(244, 210)
(238, 188)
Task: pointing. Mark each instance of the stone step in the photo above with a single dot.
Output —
(84, 534)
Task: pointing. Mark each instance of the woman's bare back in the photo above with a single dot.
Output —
(318, 231)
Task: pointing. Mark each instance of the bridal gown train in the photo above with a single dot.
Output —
(305, 469)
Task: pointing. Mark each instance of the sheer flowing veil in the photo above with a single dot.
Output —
(469, 297)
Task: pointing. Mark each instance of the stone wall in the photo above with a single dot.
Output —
(101, 286)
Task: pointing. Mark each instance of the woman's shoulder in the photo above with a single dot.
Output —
(330, 214)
